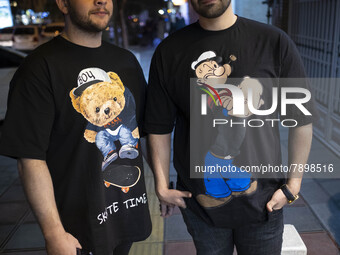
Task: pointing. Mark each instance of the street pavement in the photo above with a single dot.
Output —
(316, 215)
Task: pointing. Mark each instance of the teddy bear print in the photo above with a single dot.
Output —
(109, 108)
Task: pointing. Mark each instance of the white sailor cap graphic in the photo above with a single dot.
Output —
(88, 77)
(203, 57)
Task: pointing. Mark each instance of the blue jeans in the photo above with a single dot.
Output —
(105, 140)
(255, 239)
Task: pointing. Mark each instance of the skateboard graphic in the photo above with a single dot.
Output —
(121, 176)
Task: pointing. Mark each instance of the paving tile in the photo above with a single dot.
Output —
(332, 187)
(173, 248)
(319, 243)
(320, 180)
(13, 168)
(153, 205)
(157, 234)
(142, 248)
(302, 218)
(299, 202)
(149, 184)
(8, 175)
(329, 215)
(5, 230)
(14, 194)
(27, 236)
(6, 161)
(307, 178)
(321, 156)
(175, 229)
(317, 145)
(313, 193)
(147, 169)
(12, 212)
(18, 182)
(30, 218)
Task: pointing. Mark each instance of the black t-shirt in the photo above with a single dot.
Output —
(100, 205)
(246, 51)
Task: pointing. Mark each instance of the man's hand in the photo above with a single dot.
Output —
(166, 209)
(277, 201)
(62, 244)
(169, 198)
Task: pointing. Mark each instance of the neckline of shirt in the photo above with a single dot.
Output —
(71, 44)
(232, 27)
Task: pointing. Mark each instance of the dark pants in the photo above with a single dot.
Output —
(256, 239)
(121, 249)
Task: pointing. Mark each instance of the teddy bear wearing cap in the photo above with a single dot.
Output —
(109, 108)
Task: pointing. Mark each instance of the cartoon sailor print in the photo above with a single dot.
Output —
(221, 187)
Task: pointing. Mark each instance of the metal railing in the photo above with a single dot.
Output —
(314, 25)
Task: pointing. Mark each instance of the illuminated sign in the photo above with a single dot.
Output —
(5, 14)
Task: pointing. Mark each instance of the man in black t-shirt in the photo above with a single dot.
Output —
(224, 69)
(74, 123)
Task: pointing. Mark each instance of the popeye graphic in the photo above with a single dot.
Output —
(222, 186)
(109, 108)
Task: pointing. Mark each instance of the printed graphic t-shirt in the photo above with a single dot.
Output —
(46, 120)
(242, 56)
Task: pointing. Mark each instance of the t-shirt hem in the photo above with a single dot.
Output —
(156, 129)
(16, 155)
(136, 238)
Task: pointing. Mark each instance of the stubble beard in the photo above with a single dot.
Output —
(84, 22)
(211, 11)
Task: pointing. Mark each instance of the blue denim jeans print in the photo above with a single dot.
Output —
(222, 183)
(105, 140)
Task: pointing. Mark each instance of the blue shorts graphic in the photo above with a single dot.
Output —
(226, 177)
(105, 140)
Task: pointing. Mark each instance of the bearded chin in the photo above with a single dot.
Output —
(84, 23)
(92, 27)
(87, 25)
(213, 11)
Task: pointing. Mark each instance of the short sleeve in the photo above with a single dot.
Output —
(160, 112)
(30, 112)
(293, 75)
